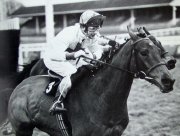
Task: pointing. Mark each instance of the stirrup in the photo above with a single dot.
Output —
(57, 107)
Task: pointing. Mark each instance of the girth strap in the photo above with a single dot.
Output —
(61, 125)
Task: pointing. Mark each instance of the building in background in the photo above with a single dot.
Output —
(10, 39)
(3, 12)
(162, 17)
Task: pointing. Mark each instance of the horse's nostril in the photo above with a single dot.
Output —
(167, 82)
(171, 62)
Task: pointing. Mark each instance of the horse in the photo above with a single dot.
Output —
(8, 83)
(97, 103)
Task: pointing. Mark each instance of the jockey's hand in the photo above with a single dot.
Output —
(106, 48)
(88, 53)
(112, 43)
(79, 54)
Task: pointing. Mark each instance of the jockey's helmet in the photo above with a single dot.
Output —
(91, 18)
(91, 21)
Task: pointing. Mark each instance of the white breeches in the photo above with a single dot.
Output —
(65, 69)
(65, 86)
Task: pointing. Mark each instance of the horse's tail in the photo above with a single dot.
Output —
(39, 68)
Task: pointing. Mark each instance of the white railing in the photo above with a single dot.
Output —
(168, 36)
(24, 49)
(10, 24)
(166, 32)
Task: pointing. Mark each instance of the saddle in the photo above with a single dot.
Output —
(55, 80)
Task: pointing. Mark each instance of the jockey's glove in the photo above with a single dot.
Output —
(74, 55)
(112, 43)
(79, 54)
(106, 48)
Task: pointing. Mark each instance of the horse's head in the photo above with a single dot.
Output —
(169, 59)
(147, 60)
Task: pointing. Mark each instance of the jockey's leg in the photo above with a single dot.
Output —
(65, 86)
(62, 91)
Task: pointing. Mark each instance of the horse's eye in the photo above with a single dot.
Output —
(144, 52)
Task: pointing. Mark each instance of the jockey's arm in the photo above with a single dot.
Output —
(97, 51)
(59, 46)
(64, 55)
(107, 43)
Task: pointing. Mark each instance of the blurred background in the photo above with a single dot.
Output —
(161, 17)
(23, 38)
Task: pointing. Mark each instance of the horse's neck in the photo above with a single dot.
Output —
(112, 89)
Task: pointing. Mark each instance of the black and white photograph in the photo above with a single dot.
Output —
(89, 67)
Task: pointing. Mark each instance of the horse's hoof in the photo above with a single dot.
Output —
(7, 132)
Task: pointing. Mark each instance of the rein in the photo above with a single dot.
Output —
(139, 74)
(104, 63)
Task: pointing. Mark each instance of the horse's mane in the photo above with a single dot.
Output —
(114, 50)
(107, 57)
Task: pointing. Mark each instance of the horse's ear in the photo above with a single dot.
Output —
(133, 36)
(146, 31)
(141, 31)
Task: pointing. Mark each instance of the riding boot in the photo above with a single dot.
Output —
(57, 106)
(61, 93)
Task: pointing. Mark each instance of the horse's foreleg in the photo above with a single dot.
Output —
(20, 134)
(24, 132)
(24, 129)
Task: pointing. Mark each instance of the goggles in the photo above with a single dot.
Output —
(93, 28)
(92, 31)
(96, 21)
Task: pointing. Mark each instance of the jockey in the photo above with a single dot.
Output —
(59, 60)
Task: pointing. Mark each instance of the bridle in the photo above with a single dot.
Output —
(137, 74)
(144, 74)
(158, 42)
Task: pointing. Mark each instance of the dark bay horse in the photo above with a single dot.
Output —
(97, 106)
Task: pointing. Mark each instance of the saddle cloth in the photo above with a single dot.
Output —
(55, 80)
(51, 88)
